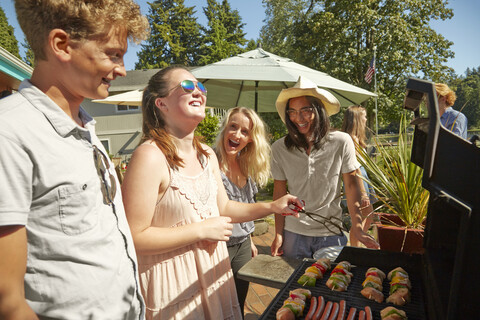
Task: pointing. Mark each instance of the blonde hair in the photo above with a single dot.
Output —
(254, 159)
(81, 20)
(444, 91)
(353, 125)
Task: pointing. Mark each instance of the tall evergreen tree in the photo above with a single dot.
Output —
(468, 97)
(29, 55)
(338, 37)
(7, 36)
(175, 36)
(224, 36)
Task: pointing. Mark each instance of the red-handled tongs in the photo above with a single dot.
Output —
(332, 221)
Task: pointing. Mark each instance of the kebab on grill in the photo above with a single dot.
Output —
(372, 285)
(400, 286)
(340, 276)
(391, 313)
(314, 272)
(294, 305)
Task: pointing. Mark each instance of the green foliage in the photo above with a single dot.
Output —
(252, 45)
(275, 125)
(224, 36)
(397, 181)
(338, 37)
(7, 36)
(175, 36)
(265, 193)
(208, 129)
(29, 55)
(468, 97)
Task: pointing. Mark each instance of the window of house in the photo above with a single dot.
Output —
(106, 144)
(126, 108)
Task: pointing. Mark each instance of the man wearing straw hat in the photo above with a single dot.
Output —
(312, 161)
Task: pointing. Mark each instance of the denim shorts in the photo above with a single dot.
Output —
(368, 187)
(299, 246)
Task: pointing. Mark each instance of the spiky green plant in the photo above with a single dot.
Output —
(396, 180)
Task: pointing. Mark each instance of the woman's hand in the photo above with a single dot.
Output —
(364, 201)
(216, 228)
(365, 238)
(285, 204)
(254, 249)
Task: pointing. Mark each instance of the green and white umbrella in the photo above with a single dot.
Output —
(129, 98)
(255, 78)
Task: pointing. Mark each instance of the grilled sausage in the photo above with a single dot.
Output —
(320, 307)
(334, 312)
(352, 313)
(368, 313)
(313, 307)
(328, 309)
(342, 310)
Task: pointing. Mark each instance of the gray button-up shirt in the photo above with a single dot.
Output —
(81, 259)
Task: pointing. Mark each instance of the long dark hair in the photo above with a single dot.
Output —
(320, 127)
(153, 127)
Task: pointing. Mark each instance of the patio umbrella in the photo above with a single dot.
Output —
(255, 78)
(130, 98)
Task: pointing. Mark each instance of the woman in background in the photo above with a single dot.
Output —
(450, 118)
(355, 124)
(177, 208)
(243, 154)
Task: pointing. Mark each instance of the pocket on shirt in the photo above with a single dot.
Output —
(77, 209)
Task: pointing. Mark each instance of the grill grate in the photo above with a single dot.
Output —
(415, 309)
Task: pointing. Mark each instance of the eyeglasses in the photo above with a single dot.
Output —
(188, 86)
(305, 112)
(103, 165)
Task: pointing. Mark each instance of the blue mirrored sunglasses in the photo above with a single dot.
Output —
(188, 86)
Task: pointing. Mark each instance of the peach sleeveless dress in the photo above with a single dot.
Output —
(193, 282)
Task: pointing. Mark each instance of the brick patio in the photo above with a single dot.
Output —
(259, 297)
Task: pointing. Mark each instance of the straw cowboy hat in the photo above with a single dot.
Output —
(306, 87)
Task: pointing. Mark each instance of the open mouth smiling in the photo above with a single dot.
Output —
(195, 104)
(233, 144)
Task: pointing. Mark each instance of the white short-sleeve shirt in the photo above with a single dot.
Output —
(81, 260)
(316, 179)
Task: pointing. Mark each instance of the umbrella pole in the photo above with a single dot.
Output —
(256, 96)
(375, 86)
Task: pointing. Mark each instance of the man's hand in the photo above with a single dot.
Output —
(276, 247)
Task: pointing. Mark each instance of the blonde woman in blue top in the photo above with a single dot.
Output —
(355, 124)
(243, 153)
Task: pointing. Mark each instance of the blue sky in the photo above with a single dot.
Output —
(461, 30)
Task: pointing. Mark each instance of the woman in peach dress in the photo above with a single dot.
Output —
(177, 207)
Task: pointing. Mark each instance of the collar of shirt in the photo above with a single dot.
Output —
(59, 120)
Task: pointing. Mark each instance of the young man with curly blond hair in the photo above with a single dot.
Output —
(65, 246)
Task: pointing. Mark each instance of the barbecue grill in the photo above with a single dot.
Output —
(445, 277)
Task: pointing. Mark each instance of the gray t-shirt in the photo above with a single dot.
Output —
(81, 260)
(246, 194)
(316, 179)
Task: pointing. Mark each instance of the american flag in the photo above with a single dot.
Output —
(370, 71)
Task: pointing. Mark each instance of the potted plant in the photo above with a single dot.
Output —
(398, 185)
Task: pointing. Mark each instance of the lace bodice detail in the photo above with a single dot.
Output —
(200, 190)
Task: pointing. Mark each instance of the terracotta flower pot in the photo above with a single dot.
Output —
(392, 236)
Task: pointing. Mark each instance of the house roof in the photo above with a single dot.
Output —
(12, 69)
(135, 80)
